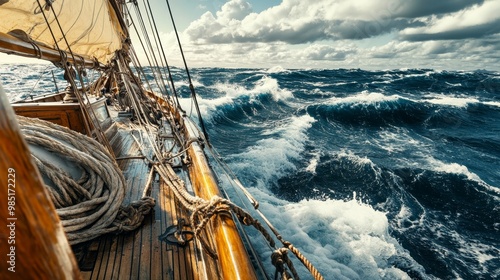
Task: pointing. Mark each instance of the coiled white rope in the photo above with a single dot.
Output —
(91, 205)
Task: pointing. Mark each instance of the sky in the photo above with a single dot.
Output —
(366, 34)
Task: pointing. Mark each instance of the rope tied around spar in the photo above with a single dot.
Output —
(203, 210)
(91, 205)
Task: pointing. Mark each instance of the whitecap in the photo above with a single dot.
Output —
(342, 239)
(271, 157)
(313, 163)
(452, 101)
(364, 97)
(277, 69)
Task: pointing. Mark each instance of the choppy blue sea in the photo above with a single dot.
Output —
(390, 174)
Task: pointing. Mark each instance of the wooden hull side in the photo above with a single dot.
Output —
(65, 114)
(34, 239)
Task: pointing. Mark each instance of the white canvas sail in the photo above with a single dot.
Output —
(91, 27)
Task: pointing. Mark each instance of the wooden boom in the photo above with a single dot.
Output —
(12, 45)
(32, 240)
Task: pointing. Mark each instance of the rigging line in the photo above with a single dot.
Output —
(140, 71)
(230, 174)
(62, 33)
(191, 87)
(125, 79)
(99, 132)
(144, 44)
(166, 61)
(63, 54)
(154, 105)
(76, 19)
(135, 60)
(147, 125)
(141, 41)
(138, 67)
(54, 79)
(156, 39)
(154, 66)
(92, 21)
(39, 78)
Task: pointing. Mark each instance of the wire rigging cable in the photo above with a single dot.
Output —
(147, 48)
(164, 57)
(191, 87)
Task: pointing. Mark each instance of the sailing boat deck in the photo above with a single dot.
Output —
(140, 254)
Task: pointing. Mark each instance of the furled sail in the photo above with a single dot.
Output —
(92, 27)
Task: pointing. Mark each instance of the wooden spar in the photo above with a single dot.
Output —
(234, 260)
(12, 45)
(32, 241)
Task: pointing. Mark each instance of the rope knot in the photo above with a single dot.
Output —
(279, 258)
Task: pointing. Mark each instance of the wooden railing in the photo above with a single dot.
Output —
(32, 241)
(232, 255)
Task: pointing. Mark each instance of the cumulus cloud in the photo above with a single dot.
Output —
(422, 8)
(351, 33)
(325, 52)
(299, 21)
(234, 10)
(477, 21)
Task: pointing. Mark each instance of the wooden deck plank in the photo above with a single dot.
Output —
(146, 250)
(101, 259)
(126, 258)
(117, 266)
(140, 254)
(156, 254)
(165, 220)
(156, 261)
(136, 192)
(136, 255)
(175, 249)
(110, 264)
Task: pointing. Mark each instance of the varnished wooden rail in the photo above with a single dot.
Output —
(233, 257)
(32, 241)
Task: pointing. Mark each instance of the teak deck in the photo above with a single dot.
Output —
(140, 254)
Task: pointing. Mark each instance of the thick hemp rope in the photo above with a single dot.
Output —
(202, 210)
(91, 205)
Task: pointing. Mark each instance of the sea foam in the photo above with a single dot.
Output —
(343, 239)
(272, 157)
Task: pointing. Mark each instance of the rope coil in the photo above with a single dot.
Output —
(91, 205)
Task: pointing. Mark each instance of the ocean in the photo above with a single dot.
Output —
(390, 174)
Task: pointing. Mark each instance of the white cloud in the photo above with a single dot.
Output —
(234, 10)
(348, 34)
(299, 21)
(476, 21)
(330, 53)
(294, 21)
